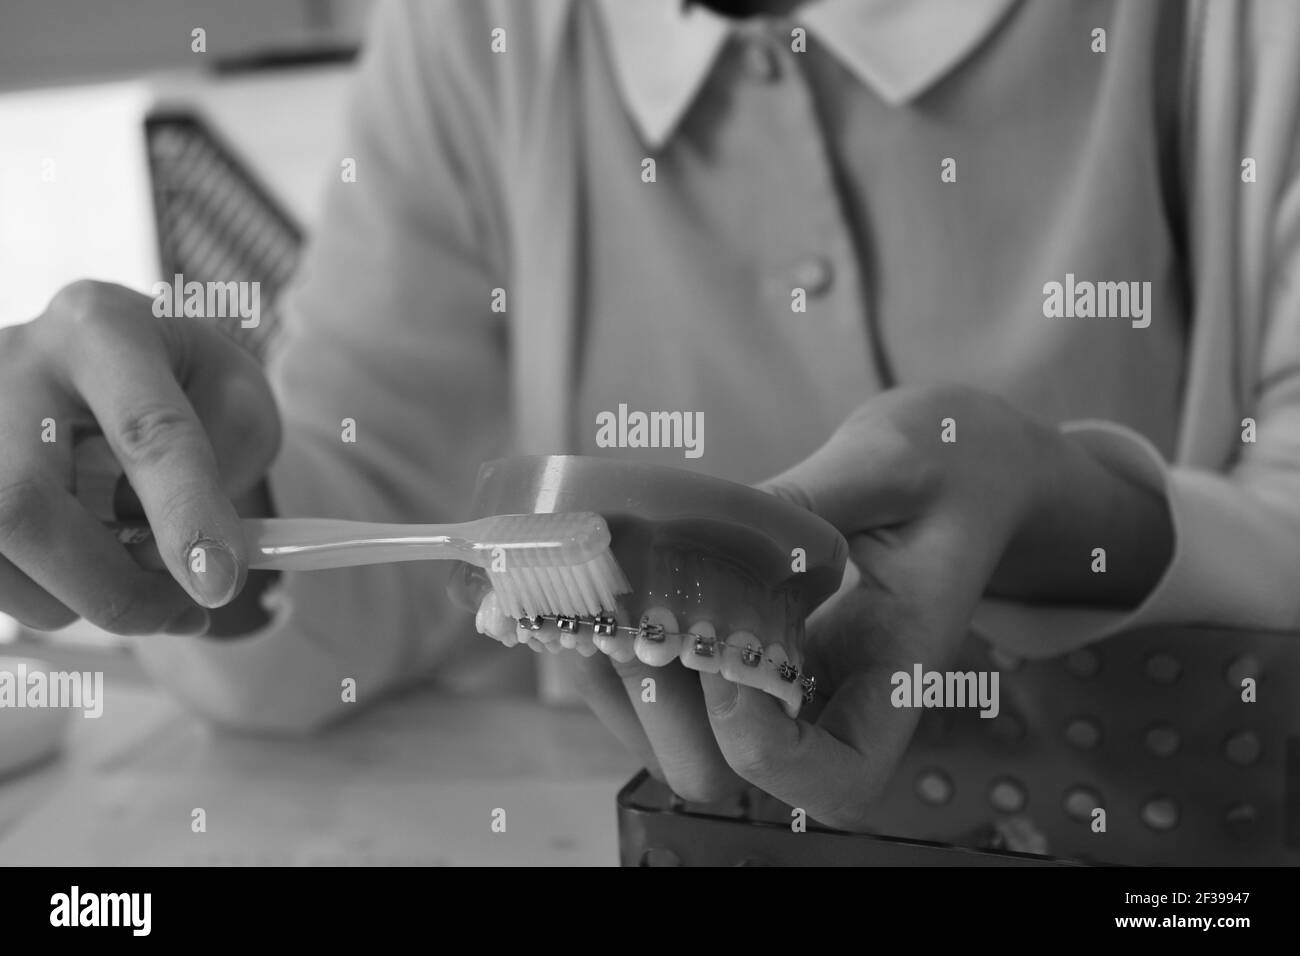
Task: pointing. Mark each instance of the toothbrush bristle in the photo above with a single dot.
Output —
(581, 590)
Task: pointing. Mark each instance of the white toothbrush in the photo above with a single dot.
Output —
(537, 564)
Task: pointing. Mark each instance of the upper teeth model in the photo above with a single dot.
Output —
(722, 576)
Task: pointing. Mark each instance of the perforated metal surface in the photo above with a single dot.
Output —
(1150, 727)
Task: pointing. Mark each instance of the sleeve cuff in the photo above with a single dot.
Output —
(272, 679)
(1233, 561)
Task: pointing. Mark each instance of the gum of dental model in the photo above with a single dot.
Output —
(694, 584)
(697, 585)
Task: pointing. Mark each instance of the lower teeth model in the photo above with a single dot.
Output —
(657, 641)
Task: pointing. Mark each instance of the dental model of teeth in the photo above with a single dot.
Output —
(656, 641)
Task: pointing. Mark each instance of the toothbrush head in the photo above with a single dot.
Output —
(550, 564)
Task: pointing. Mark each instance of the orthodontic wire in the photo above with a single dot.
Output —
(605, 625)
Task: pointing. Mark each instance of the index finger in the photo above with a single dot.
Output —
(862, 477)
(836, 767)
(833, 769)
(129, 382)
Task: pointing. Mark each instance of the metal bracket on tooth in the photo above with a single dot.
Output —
(654, 633)
(809, 685)
(606, 625)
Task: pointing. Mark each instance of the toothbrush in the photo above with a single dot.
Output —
(538, 564)
(544, 569)
(552, 572)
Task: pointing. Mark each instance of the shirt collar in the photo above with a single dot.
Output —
(899, 48)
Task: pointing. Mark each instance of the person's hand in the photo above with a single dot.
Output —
(188, 415)
(1007, 504)
(1008, 507)
(927, 522)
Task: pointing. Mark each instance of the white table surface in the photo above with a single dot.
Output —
(414, 780)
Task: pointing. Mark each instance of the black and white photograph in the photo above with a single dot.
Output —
(644, 433)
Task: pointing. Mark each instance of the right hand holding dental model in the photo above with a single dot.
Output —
(1011, 506)
(187, 413)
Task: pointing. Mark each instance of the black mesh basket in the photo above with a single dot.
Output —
(216, 222)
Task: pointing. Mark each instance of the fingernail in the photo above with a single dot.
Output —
(190, 622)
(214, 575)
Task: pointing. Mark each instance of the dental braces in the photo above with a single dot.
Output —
(605, 625)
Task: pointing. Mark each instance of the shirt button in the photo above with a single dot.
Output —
(760, 61)
(814, 275)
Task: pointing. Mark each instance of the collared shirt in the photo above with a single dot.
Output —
(900, 281)
(921, 172)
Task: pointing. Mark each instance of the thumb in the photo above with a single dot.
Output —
(861, 478)
(219, 433)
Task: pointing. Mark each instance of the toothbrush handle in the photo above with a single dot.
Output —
(314, 544)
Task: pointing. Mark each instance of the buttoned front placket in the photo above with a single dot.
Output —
(718, 270)
(809, 256)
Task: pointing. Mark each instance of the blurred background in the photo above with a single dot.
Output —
(48, 42)
(127, 155)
